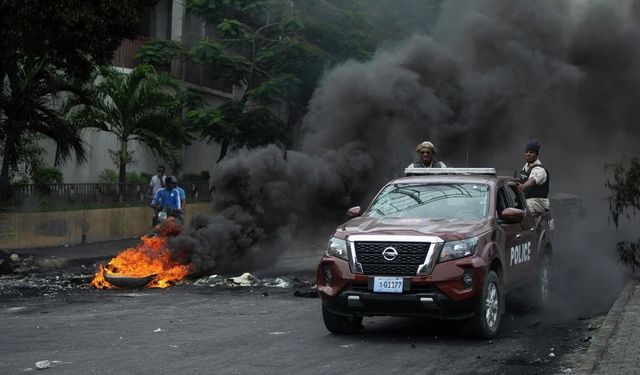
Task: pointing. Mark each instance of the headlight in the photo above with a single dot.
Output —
(338, 248)
(458, 249)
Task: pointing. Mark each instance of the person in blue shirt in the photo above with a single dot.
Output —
(183, 195)
(168, 198)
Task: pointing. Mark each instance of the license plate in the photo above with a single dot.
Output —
(388, 284)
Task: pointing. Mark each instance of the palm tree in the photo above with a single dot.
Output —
(141, 106)
(28, 110)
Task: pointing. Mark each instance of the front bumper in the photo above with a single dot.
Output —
(441, 295)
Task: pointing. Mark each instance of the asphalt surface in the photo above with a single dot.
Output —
(203, 330)
(53, 315)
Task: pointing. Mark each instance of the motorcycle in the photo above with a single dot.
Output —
(162, 214)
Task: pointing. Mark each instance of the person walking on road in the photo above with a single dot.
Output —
(157, 182)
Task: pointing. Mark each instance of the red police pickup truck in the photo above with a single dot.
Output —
(446, 243)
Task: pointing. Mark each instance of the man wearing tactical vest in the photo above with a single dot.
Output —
(534, 180)
(426, 152)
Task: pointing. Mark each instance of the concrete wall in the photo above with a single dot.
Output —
(40, 229)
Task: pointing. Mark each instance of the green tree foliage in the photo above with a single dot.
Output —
(203, 176)
(158, 51)
(47, 175)
(141, 106)
(40, 43)
(235, 124)
(278, 50)
(29, 110)
(108, 175)
(625, 202)
(74, 34)
(28, 160)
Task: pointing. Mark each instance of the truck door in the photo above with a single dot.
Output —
(513, 244)
(529, 234)
(522, 252)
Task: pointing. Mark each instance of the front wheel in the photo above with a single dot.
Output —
(486, 321)
(340, 324)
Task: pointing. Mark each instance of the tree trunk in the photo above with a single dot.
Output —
(122, 175)
(6, 162)
(294, 126)
(223, 150)
(4, 175)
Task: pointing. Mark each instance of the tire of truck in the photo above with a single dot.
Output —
(541, 291)
(486, 321)
(340, 324)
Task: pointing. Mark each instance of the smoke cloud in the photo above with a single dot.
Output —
(493, 75)
(262, 197)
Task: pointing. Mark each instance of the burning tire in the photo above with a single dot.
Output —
(340, 324)
(486, 320)
(124, 281)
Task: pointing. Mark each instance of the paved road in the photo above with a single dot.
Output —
(257, 330)
(204, 330)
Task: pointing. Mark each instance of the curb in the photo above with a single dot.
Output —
(599, 345)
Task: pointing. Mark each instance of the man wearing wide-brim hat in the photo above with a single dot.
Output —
(426, 156)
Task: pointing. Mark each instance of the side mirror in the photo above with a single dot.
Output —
(512, 215)
(353, 212)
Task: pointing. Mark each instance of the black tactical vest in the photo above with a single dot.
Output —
(536, 191)
(434, 164)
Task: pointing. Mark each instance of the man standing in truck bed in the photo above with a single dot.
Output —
(534, 180)
(426, 157)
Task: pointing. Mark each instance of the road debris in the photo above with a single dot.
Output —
(249, 280)
(246, 279)
(41, 365)
(593, 326)
(279, 283)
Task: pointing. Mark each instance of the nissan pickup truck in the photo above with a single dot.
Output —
(445, 243)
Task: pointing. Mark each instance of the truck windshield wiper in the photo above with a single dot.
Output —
(408, 193)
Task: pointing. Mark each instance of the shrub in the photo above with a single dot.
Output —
(625, 202)
(108, 175)
(203, 176)
(135, 178)
(47, 175)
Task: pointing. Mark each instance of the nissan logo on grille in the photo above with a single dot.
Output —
(389, 253)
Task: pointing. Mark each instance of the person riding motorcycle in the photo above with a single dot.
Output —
(167, 199)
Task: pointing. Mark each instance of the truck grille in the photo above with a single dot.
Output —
(410, 256)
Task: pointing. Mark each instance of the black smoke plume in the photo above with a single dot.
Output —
(493, 75)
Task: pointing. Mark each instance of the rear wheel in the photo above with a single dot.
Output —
(340, 324)
(541, 292)
(486, 321)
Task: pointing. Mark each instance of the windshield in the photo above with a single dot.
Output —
(432, 201)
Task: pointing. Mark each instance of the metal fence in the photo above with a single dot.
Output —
(54, 197)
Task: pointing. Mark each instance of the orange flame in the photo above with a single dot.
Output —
(150, 257)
